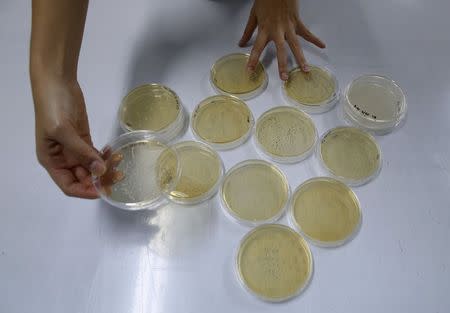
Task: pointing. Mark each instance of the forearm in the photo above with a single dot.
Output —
(56, 35)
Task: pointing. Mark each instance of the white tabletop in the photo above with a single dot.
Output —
(60, 254)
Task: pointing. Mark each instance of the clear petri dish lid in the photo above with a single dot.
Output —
(155, 108)
(141, 170)
(350, 154)
(229, 75)
(316, 91)
(285, 134)
(375, 103)
(254, 192)
(273, 263)
(325, 211)
(222, 121)
(201, 172)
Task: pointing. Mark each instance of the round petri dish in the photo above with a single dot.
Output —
(350, 154)
(325, 211)
(254, 192)
(316, 91)
(229, 75)
(285, 134)
(375, 103)
(140, 171)
(222, 121)
(155, 108)
(201, 172)
(274, 263)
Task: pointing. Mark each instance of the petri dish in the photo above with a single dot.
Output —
(229, 75)
(285, 134)
(254, 192)
(325, 211)
(350, 154)
(155, 108)
(314, 92)
(274, 263)
(201, 172)
(222, 121)
(375, 103)
(141, 169)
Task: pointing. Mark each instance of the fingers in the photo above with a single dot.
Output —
(294, 44)
(258, 47)
(69, 184)
(282, 58)
(304, 32)
(249, 29)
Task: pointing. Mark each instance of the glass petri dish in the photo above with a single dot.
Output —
(350, 154)
(222, 121)
(314, 92)
(229, 75)
(254, 192)
(285, 134)
(274, 263)
(201, 172)
(155, 108)
(325, 211)
(140, 171)
(375, 103)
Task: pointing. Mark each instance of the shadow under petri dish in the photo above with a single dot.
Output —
(350, 153)
(255, 192)
(326, 211)
(222, 120)
(286, 132)
(274, 262)
(312, 88)
(231, 76)
(150, 107)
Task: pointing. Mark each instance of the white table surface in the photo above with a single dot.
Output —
(60, 254)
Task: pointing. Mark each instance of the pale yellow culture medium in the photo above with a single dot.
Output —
(222, 120)
(274, 262)
(350, 154)
(326, 211)
(255, 191)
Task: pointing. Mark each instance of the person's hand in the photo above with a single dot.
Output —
(277, 21)
(63, 142)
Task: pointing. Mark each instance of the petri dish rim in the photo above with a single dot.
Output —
(319, 243)
(241, 281)
(228, 145)
(233, 216)
(290, 159)
(244, 95)
(350, 182)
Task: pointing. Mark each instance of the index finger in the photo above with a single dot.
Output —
(258, 47)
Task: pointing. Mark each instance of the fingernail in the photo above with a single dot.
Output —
(251, 69)
(284, 76)
(306, 68)
(118, 176)
(97, 168)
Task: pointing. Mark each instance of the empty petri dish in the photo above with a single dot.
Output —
(274, 263)
(201, 171)
(254, 192)
(375, 103)
(325, 211)
(285, 134)
(229, 75)
(350, 155)
(155, 108)
(223, 121)
(316, 91)
(140, 171)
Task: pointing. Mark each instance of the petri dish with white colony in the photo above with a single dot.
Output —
(155, 108)
(141, 169)
(325, 211)
(222, 121)
(285, 134)
(316, 91)
(375, 103)
(274, 263)
(254, 192)
(350, 154)
(201, 172)
(229, 75)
